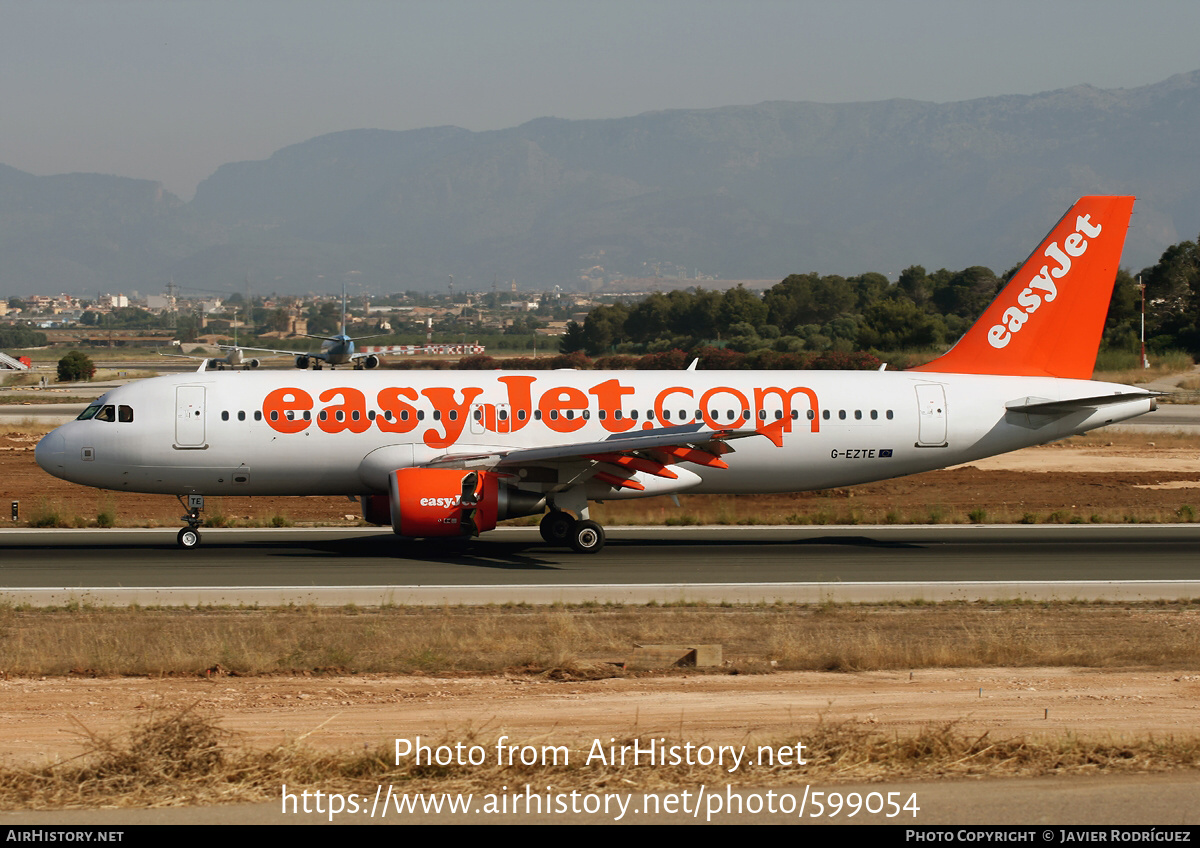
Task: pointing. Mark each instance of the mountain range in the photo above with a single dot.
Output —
(735, 192)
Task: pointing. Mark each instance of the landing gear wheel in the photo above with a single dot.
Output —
(587, 537)
(556, 527)
(188, 538)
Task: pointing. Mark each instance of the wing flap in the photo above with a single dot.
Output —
(687, 436)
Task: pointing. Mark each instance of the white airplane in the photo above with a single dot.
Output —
(235, 355)
(234, 358)
(449, 454)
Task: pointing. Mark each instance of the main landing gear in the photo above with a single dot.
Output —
(189, 537)
(583, 535)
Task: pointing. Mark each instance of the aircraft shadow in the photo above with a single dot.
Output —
(479, 554)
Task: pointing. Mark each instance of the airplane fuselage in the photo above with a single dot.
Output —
(341, 433)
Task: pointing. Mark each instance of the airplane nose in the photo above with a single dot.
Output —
(51, 452)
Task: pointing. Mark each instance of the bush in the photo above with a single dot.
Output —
(75, 366)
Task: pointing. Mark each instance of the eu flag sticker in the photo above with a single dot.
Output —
(885, 453)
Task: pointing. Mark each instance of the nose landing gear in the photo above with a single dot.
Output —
(189, 537)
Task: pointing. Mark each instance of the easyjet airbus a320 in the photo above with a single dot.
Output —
(449, 454)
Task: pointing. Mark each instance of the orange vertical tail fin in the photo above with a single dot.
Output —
(1047, 321)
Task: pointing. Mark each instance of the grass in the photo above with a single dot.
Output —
(1114, 366)
(589, 639)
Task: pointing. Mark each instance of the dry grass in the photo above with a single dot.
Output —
(586, 641)
(1124, 367)
(185, 758)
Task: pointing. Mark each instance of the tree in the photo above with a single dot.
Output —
(573, 340)
(75, 366)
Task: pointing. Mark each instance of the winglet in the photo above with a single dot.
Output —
(1048, 320)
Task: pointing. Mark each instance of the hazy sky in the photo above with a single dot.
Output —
(170, 89)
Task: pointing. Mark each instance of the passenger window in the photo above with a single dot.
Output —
(307, 415)
(617, 415)
(825, 414)
(745, 415)
(453, 415)
(554, 415)
(666, 415)
(241, 415)
(874, 414)
(889, 415)
(841, 415)
(537, 415)
(321, 415)
(603, 415)
(437, 415)
(370, 414)
(125, 414)
(503, 415)
(274, 414)
(224, 415)
(258, 415)
(341, 416)
(762, 415)
(858, 415)
(633, 414)
(812, 415)
(478, 415)
(355, 415)
(420, 415)
(520, 415)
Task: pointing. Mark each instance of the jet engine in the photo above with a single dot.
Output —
(425, 502)
(252, 363)
(371, 361)
(302, 362)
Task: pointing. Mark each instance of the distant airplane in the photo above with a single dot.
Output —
(234, 358)
(450, 453)
(335, 350)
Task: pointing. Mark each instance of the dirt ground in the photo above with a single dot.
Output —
(49, 718)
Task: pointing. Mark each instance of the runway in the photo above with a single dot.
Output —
(639, 565)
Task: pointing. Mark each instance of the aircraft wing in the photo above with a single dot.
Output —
(614, 460)
(183, 356)
(272, 350)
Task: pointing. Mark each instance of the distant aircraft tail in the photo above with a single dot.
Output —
(1048, 320)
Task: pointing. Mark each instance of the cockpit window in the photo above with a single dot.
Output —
(90, 412)
(107, 413)
(124, 414)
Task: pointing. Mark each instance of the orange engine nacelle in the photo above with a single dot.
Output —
(423, 502)
(442, 502)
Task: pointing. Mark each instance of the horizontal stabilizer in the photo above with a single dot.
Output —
(1042, 406)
